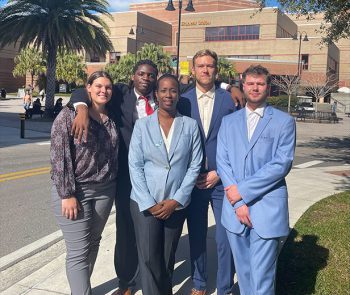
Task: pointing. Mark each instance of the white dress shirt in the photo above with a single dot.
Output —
(167, 140)
(205, 106)
(140, 109)
(253, 118)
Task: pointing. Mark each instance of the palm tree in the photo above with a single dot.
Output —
(52, 26)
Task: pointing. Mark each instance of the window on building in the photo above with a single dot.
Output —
(244, 32)
(332, 65)
(114, 57)
(94, 57)
(305, 61)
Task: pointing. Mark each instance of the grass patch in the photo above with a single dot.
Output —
(316, 256)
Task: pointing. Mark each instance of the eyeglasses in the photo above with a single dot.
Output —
(144, 74)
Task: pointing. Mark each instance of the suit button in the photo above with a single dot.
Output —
(167, 167)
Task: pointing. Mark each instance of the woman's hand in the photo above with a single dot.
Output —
(166, 208)
(70, 208)
(81, 123)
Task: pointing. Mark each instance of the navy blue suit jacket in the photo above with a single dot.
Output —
(223, 105)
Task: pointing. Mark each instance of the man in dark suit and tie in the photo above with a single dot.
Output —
(207, 104)
(128, 104)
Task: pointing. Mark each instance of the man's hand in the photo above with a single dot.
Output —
(232, 194)
(70, 208)
(81, 123)
(167, 207)
(207, 180)
(237, 96)
(155, 208)
(243, 216)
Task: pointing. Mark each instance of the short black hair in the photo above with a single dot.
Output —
(257, 70)
(145, 62)
(168, 76)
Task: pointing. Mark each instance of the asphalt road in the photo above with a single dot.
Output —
(25, 182)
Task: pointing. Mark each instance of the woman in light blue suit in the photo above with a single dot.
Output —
(165, 157)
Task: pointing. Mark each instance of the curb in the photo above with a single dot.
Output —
(33, 248)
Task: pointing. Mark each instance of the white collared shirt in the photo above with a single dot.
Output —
(140, 109)
(253, 118)
(167, 140)
(206, 106)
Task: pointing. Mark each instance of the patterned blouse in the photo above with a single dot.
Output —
(92, 162)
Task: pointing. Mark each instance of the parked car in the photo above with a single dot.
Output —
(305, 106)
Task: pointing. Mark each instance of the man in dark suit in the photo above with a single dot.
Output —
(128, 104)
(207, 104)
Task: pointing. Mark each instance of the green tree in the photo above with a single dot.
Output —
(122, 71)
(156, 54)
(29, 61)
(70, 68)
(53, 26)
(336, 17)
(226, 70)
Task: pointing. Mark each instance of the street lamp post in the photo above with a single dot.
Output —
(295, 37)
(171, 7)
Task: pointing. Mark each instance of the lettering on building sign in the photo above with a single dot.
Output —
(195, 23)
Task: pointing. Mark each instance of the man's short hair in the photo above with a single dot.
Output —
(145, 62)
(206, 52)
(257, 70)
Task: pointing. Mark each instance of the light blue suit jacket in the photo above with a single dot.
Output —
(258, 168)
(156, 175)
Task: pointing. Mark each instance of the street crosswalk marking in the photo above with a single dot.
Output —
(308, 164)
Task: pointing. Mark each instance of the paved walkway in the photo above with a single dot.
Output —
(306, 186)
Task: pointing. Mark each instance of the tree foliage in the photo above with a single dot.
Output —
(122, 71)
(288, 84)
(29, 61)
(156, 54)
(336, 18)
(226, 70)
(70, 68)
(53, 26)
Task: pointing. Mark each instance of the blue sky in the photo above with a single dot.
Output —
(123, 5)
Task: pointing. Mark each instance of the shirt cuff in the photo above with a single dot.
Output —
(224, 85)
(75, 105)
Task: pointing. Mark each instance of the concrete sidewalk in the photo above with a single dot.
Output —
(306, 186)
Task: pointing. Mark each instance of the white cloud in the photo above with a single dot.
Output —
(123, 5)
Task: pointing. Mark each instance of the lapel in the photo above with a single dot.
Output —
(177, 130)
(128, 106)
(156, 135)
(192, 96)
(216, 110)
(260, 127)
(243, 128)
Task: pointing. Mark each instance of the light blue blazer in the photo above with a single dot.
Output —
(258, 168)
(155, 175)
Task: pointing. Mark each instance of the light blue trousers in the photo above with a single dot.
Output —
(255, 261)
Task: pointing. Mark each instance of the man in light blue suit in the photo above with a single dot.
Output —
(207, 104)
(254, 154)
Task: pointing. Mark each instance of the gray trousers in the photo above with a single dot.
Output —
(82, 236)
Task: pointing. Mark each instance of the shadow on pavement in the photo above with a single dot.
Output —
(337, 149)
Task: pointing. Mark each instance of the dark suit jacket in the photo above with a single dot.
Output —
(223, 105)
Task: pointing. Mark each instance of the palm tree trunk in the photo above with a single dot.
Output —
(50, 80)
